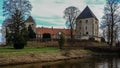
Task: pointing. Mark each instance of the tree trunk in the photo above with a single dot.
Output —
(112, 24)
(109, 33)
(72, 37)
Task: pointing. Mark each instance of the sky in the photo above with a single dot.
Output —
(49, 13)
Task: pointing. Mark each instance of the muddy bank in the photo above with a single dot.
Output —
(44, 57)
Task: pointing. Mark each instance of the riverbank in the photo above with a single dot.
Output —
(10, 56)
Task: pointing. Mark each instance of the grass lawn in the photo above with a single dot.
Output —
(13, 53)
(28, 49)
(9, 55)
(39, 48)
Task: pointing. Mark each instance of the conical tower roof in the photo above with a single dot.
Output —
(30, 19)
(87, 13)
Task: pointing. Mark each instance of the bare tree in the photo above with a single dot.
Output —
(117, 33)
(10, 6)
(70, 14)
(105, 26)
(112, 19)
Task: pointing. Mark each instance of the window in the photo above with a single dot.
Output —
(87, 33)
(80, 28)
(80, 21)
(80, 33)
(96, 22)
(86, 27)
(86, 21)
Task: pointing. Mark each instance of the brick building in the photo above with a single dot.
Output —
(52, 33)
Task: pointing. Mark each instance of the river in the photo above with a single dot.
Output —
(91, 62)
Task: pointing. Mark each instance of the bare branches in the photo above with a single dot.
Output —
(70, 15)
(10, 6)
(111, 20)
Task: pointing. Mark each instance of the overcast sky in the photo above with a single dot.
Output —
(48, 13)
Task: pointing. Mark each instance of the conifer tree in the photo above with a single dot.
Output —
(16, 11)
(31, 33)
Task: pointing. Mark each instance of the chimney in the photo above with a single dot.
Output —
(52, 27)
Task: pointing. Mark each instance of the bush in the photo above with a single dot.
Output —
(118, 44)
(20, 43)
(102, 39)
(61, 41)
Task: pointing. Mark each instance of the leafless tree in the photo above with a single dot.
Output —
(111, 19)
(106, 27)
(70, 14)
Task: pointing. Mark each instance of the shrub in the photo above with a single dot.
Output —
(118, 44)
(102, 39)
(20, 43)
(61, 41)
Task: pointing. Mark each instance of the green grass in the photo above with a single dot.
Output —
(36, 51)
(28, 49)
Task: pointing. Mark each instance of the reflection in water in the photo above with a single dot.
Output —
(101, 62)
(109, 63)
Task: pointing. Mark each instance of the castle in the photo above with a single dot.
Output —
(86, 27)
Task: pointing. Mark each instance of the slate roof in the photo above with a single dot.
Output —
(30, 19)
(86, 13)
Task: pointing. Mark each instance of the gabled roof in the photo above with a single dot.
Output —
(30, 19)
(86, 13)
(53, 31)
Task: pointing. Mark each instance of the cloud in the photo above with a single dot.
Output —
(51, 11)
(50, 21)
(1, 15)
(51, 18)
(60, 1)
(97, 10)
(95, 2)
(44, 23)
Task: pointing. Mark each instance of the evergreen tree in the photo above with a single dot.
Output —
(15, 13)
(61, 41)
(8, 37)
(31, 33)
(18, 30)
